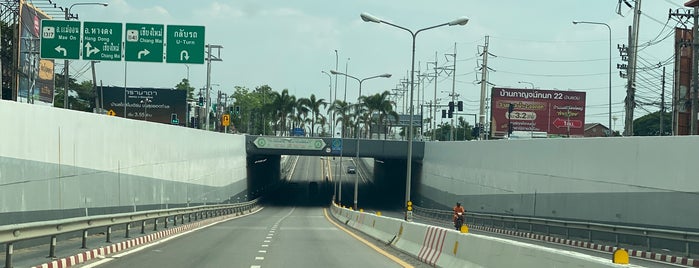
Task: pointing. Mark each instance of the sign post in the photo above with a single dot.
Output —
(185, 44)
(102, 41)
(60, 39)
(144, 42)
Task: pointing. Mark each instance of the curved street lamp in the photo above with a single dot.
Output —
(525, 82)
(356, 133)
(65, 62)
(370, 18)
(610, 68)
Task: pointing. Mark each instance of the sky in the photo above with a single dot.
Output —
(286, 45)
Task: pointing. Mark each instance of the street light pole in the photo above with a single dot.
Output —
(329, 100)
(65, 62)
(370, 18)
(610, 68)
(356, 132)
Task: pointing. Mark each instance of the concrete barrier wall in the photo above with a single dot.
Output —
(59, 159)
(442, 247)
(598, 179)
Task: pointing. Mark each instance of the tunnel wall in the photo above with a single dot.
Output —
(61, 160)
(648, 181)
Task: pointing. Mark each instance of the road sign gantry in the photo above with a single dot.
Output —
(144, 42)
(102, 41)
(60, 39)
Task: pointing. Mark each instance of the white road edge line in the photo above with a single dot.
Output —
(142, 247)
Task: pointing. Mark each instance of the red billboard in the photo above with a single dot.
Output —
(558, 113)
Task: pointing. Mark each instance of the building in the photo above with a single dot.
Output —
(595, 130)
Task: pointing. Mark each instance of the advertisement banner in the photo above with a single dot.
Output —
(167, 106)
(558, 113)
(36, 79)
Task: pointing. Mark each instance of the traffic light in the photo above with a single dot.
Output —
(201, 101)
(237, 110)
(451, 106)
(444, 113)
(460, 105)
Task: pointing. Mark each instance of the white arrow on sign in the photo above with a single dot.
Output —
(59, 49)
(142, 53)
(89, 50)
(184, 55)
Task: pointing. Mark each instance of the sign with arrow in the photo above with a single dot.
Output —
(60, 39)
(144, 42)
(102, 41)
(559, 123)
(289, 143)
(185, 44)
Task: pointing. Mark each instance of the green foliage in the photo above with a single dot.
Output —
(649, 125)
(184, 85)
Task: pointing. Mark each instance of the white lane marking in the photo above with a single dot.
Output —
(265, 245)
(255, 266)
(145, 246)
(267, 241)
(269, 237)
(259, 258)
(261, 251)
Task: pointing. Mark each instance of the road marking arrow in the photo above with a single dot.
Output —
(184, 55)
(59, 49)
(142, 53)
(89, 50)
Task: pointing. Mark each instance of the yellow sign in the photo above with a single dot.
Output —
(111, 113)
(226, 120)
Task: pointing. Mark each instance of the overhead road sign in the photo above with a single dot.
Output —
(289, 143)
(185, 44)
(60, 39)
(102, 41)
(144, 42)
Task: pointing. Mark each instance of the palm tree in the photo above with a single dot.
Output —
(381, 104)
(302, 110)
(284, 106)
(313, 106)
(343, 115)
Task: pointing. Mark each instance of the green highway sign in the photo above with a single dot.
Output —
(185, 44)
(144, 42)
(60, 39)
(102, 41)
(289, 143)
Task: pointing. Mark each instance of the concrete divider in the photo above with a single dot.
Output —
(442, 247)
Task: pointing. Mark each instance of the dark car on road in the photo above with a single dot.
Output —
(351, 170)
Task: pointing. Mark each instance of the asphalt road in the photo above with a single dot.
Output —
(273, 237)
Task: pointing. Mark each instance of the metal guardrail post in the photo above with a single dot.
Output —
(9, 247)
(143, 227)
(648, 243)
(155, 224)
(174, 221)
(52, 247)
(109, 234)
(686, 251)
(128, 229)
(166, 220)
(84, 242)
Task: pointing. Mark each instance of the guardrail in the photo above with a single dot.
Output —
(529, 224)
(10, 234)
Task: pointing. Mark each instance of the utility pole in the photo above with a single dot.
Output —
(453, 93)
(630, 101)
(695, 69)
(209, 58)
(662, 102)
(94, 87)
(434, 102)
(484, 83)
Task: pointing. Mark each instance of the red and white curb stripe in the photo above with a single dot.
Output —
(432, 245)
(99, 253)
(632, 252)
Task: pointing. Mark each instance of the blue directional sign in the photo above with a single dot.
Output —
(336, 146)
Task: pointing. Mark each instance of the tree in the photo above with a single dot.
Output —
(313, 106)
(380, 103)
(283, 105)
(649, 125)
(6, 56)
(343, 115)
(184, 85)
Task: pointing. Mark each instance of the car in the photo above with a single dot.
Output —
(351, 170)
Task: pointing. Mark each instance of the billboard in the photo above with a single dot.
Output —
(167, 106)
(681, 96)
(36, 79)
(558, 113)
